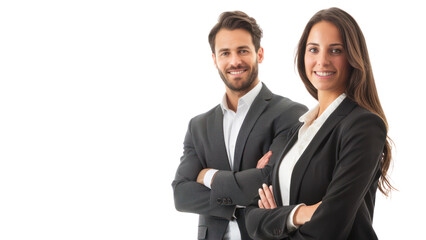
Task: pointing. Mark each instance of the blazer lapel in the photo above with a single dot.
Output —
(275, 173)
(218, 140)
(300, 168)
(256, 109)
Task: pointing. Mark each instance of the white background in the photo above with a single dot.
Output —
(95, 98)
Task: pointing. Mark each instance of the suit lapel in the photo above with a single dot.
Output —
(256, 109)
(275, 174)
(300, 168)
(218, 140)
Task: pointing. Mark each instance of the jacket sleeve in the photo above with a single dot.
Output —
(190, 196)
(242, 186)
(358, 164)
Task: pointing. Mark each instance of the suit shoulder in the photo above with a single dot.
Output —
(287, 103)
(360, 116)
(204, 116)
(359, 113)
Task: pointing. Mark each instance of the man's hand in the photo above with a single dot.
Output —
(200, 178)
(264, 160)
(260, 164)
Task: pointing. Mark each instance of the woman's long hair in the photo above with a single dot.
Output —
(360, 87)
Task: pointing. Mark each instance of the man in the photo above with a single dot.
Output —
(217, 175)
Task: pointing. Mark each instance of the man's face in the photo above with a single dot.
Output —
(236, 59)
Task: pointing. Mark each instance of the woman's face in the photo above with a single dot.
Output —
(326, 63)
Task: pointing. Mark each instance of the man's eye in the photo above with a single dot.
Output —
(243, 51)
(224, 54)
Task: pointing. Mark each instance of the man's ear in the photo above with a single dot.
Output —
(214, 59)
(260, 55)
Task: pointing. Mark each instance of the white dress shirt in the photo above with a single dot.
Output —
(306, 133)
(232, 122)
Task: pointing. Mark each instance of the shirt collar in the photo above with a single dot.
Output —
(247, 99)
(311, 116)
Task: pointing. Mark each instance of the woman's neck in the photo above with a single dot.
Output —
(325, 99)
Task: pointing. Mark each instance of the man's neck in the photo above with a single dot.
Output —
(232, 100)
(232, 97)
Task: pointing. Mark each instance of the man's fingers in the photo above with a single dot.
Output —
(260, 162)
(264, 160)
(268, 154)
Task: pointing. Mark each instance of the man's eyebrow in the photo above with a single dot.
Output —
(240, 47)
(245, 46)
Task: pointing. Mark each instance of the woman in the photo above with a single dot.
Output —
(326, 178)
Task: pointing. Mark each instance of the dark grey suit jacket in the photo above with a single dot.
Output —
(263, 129)
(340, 167)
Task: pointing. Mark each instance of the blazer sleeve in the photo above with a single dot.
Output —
(360, 151)
(242, 186)
(190, 196)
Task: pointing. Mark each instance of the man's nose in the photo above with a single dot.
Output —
(235, 60)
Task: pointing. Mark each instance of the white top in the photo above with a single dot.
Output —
(232, 122)
(307, 132)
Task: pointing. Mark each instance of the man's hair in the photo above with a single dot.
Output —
(236, 20)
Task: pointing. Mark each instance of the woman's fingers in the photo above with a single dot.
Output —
(269, 196)
(274, 205)
(267, 200)
(263, 198)
(316, 206)
(260, 204)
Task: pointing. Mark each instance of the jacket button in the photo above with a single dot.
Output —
(277, 231)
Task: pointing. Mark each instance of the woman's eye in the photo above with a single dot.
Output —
(313, 50)
(336, 51)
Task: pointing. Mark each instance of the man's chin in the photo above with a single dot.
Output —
(238, 87)
(237, 84)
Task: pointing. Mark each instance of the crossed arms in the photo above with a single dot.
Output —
(191, 195)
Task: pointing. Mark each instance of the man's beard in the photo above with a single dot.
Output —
(245, 85)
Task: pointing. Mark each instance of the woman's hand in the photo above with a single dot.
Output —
(266, 197)
(304, 214)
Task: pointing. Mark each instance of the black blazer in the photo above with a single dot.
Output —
(265, 126)
(340, 167)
